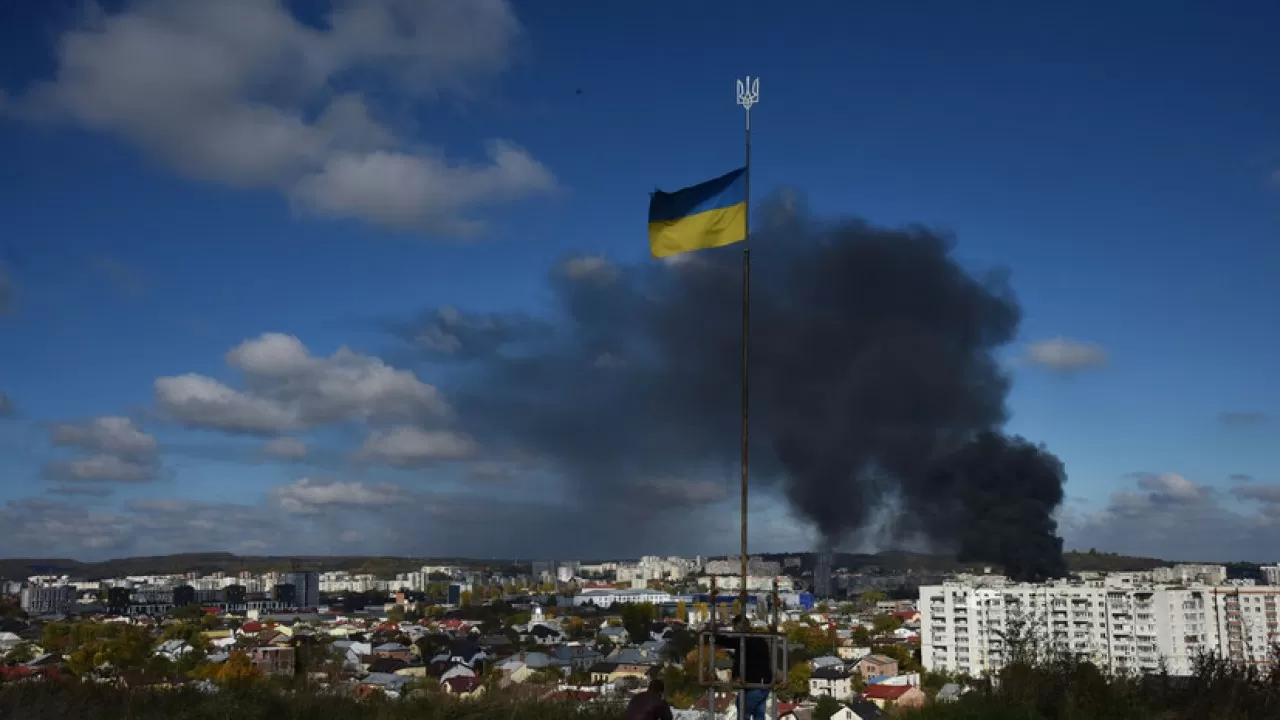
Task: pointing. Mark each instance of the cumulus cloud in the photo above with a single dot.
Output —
(111, 434)
(287, 388)
(408, 446)
(309, 496)
(1169, 516)
(286, 448)
(1065, 356)
(116, 450)
(225, 91)
(106, 468)
(1242, 418)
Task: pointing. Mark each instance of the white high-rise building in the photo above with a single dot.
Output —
(1114, 623)
(1271, 574)
(44, 600)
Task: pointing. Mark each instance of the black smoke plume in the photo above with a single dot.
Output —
(876, 394)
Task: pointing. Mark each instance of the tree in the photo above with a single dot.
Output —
(396, 614)
(682, 611)
(860, 636)
(869, 598)
(826, 707)
(798, 680)
(190, 612)
(679, 643)
(885, 624)
(465, 600)
(236, 671)
(637, 618)
(21, 653)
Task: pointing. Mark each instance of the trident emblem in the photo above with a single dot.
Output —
(748, 92)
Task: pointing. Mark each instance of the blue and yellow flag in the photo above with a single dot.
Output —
(707, 215)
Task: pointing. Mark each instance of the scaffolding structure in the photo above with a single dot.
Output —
(710, 676)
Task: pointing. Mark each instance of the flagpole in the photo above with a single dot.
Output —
(748, 95)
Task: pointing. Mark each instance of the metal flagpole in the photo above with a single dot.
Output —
(748, 95)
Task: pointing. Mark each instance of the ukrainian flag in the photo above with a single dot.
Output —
(707, 215)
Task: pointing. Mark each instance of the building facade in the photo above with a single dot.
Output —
(306, 588)
(1119, 626)
(41, 600)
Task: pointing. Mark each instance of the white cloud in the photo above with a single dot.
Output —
(413, 192)
(309, 496)
(118, 451)
(108, 434)
(407, 446)
(290, 389)
(200, 401)
(1172, 517)
(104, 468)
(224, 91)
(1065, 356)
(286, 447)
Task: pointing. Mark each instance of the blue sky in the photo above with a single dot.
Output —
(175, 185)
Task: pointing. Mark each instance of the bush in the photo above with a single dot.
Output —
(1067, 689)
(57, 700)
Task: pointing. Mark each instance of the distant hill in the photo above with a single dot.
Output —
(204, 563)
(388, 566)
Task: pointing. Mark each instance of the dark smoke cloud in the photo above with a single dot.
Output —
(874, 386)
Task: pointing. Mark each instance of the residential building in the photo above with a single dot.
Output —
(905, 696)
(605, 598)
(873, 666)
(273, 661)
(1246, 621)
(44, 600)
(733, 566)
(832, 681)
(1187, 574)
(1115, 623)
(1271, 574)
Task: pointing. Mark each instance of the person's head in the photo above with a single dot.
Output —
(657, 687)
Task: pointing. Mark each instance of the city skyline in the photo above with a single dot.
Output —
(245, 300)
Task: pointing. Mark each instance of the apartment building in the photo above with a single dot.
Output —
(40, 600)
(1246, 621)
(1187, 574)
(1114, 623)
(1271, 574)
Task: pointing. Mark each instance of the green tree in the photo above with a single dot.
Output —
(637, 618)
(190, 612)
(396, 614)
(826, 707)
(861, 636)
(798, 680)
(869, 598)
(885, 624)
(21, 653)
